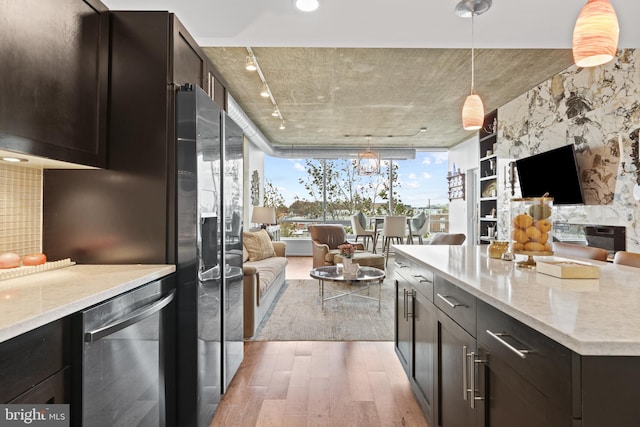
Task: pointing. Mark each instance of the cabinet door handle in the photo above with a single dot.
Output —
(465, 358)
(400, 265)
(424, 279)
(405, 309)
(410, 294)
(472, 389)
(446, 298)
(522, 353)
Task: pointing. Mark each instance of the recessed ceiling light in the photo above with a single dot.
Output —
(14, 159)
(307, 5)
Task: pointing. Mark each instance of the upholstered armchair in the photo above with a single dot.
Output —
(325, 239)
(579, 251)
(448, 239)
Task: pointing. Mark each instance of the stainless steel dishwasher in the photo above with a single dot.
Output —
(125, 349)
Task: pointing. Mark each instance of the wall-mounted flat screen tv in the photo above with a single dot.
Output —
(554, 172)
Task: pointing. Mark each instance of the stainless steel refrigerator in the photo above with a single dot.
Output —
(214, 194)
(168, 201)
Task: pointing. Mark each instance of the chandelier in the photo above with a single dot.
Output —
(368, 161)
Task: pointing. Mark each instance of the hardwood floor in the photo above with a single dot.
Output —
(299, 267)
(319, 383)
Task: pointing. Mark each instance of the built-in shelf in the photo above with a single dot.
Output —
(487, 175)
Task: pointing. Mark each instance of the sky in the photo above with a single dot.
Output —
(422, 179)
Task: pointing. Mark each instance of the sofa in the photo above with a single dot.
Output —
(264, 267)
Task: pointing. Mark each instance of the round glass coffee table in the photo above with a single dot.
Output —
(362, 281)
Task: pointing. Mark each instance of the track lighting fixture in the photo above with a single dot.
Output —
(282, 127)
(266, 90)
(250, 64)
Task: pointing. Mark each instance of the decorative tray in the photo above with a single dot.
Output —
(567, 269)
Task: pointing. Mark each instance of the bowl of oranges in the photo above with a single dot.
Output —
(531, 228)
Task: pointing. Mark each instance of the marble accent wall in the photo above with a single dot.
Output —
(596, 109)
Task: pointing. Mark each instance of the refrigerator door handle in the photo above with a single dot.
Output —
(133, 317)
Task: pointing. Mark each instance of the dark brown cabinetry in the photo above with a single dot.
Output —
(455, 380)
(491, 370)
(54, 82)
(526, 377)
(34, 366)
(459, 397)
(151, 56)
(415, 329)
(472, 365)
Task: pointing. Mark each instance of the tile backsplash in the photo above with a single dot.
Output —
(20, 209)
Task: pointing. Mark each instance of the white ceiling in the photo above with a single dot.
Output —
(383, 23)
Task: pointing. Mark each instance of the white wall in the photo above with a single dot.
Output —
(465, 156)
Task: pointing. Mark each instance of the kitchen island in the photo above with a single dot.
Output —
(488, 343)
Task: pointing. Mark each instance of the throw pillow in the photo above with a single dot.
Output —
(362, 219)
(258, 245)
(245, 253)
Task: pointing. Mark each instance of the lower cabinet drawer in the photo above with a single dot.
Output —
(459, 305)
(53, 390)
(419, 276)
(538, 359)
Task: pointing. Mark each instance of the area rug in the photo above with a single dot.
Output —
(297, 315)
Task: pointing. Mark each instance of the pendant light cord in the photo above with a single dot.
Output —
(472, 56)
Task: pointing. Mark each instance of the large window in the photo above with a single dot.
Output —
(306, 191)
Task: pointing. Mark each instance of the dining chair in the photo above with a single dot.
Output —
(366, 235)
(393, 229)
(419, 231)
(579, 251)
(631, 259)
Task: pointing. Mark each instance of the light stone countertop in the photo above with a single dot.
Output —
(589, 316)
(29, 302)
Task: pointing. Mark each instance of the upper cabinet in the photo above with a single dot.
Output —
(54, 81)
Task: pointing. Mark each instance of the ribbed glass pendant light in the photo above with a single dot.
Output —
(595, 36)
(473, 109)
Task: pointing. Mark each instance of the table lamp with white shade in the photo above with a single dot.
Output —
(263, 215)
